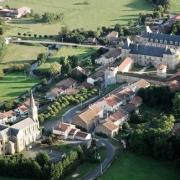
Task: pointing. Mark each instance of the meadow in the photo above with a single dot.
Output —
(77, 14)
(15, 84)
(137, 167)
(22, 53)
(81, 53)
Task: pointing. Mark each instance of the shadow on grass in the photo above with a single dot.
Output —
(136, 5)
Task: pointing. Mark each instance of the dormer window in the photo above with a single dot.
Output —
(156, 40)
(161, 41)
(171, 42)
(165, 42)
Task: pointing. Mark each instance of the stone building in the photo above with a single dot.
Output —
(146, 55)
(17, 137)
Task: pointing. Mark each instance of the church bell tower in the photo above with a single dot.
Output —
(33, 111)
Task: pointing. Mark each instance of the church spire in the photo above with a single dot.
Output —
(33, 111)
(32, 102)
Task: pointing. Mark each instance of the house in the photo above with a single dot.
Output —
(112, 102)
(174, 82)
(67, 83)
(65, 86)
(54, 93)
(136, 101)
(146, 55)
(126, 65)
(79, 74)
(20, 135)
(98, 76)
(69, 131)
(15, 13)
(22, 110)
(9, 116)
(86, 120)
(141, 84)
(113, 35)
(110, 57)
(92, 40)
(161, 70)
(118, 117)
(110, 75)
(63, 130)
(108, 128)
(82, 136)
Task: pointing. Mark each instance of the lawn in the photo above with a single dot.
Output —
(130, 166)
(15, 84)
(22, 53)
(82, 53)
(175, 7)
(95, 14)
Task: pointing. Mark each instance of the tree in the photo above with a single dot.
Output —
(2, 47)
(176, 105)
(1, 73)
(55, 68)
(74, 61)
(42, 159)
(41, 58)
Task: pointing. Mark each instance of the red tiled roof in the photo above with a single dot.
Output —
(125, 63)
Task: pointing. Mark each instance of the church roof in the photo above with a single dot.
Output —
(23, 124)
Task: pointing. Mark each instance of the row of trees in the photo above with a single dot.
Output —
(80, 35)
(65, 101)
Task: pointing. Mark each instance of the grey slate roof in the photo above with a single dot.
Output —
(164, 37)
(148, 50)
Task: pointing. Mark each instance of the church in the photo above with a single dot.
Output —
(15, 138)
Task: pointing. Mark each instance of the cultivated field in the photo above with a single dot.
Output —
(15, 84)
(95, 14)
(136, 167)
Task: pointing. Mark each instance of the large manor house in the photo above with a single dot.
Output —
(17, 137)
(153, 49)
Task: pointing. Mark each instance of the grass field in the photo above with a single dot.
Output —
(77, 15)
(175, 7)
(82, 53)
(20, 54)
(14, 84)
(135, 167)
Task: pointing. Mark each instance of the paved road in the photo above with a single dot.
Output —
(68, 115)
(104, 164)
(56, 43)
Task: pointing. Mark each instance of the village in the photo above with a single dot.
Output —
(90, 102)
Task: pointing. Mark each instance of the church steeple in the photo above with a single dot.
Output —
(33, 111)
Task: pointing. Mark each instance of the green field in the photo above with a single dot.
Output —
(22, 53)
(135, 167)
(175, 7)
(15, 84)
(82, 53)
(77, 15)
